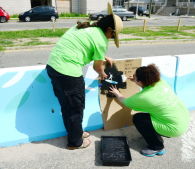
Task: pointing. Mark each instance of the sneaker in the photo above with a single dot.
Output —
(150, 153)
(86, 143)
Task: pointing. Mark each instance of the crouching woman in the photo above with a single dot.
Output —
(161, 111)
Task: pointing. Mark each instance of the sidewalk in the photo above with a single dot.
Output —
(51, 154)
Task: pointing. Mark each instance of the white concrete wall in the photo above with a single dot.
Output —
(167, 66)
(63, 6)
(97, 5)
(89, 6)
(83, 6)
(18, 6)
(15, 6)
(53, 3)
(75, 6)
(185, 79)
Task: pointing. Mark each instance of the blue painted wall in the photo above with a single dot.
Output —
(29, 111)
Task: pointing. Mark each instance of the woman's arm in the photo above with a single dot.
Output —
(98, 66)
(116, 92)
(109, 60)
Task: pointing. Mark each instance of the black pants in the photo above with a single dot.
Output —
(144, 125)
(70, 92)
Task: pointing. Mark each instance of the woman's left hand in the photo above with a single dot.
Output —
(115, 91)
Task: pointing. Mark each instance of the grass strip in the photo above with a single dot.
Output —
(31, 37)
(163, 31)
(72, 15)
(35, 43)
(32, 33)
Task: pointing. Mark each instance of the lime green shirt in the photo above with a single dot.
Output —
(168, 114)
(76, 48)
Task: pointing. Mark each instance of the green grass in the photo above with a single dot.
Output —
(34, 43)
(131, 39)
(72, 15)
(2, 48)
(163, 31)
(130, 30)
(187, 34)
(174, 28)
(138, 31)
(175, 37)
(31, 37)
(5, 42)
(32, 33)
(14, 16)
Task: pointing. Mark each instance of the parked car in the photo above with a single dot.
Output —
(117, 6)
(141, 11)
(39, 13)
(4, 16)
(121, 12)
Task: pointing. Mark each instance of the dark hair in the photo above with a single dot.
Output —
(148, 75)
(103, 23)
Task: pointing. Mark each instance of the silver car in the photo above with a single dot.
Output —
(121, 12)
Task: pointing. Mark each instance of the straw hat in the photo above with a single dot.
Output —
(118, 24)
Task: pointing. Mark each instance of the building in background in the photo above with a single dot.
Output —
(162, 7)
(185, 7)
(89, 6)
(18, 6)
(62, 6)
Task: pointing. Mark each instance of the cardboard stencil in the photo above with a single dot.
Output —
(115, 115)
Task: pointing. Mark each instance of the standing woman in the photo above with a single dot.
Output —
(161, 111)
(77, 47)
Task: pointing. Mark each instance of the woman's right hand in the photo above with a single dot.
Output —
(98, 66)
(103, 76)
(131, 77)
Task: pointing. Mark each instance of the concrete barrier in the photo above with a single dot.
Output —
(185, 79)
(166, 65)
(29, 111)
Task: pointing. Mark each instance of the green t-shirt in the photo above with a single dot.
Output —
(76, 48)
(168, 114)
